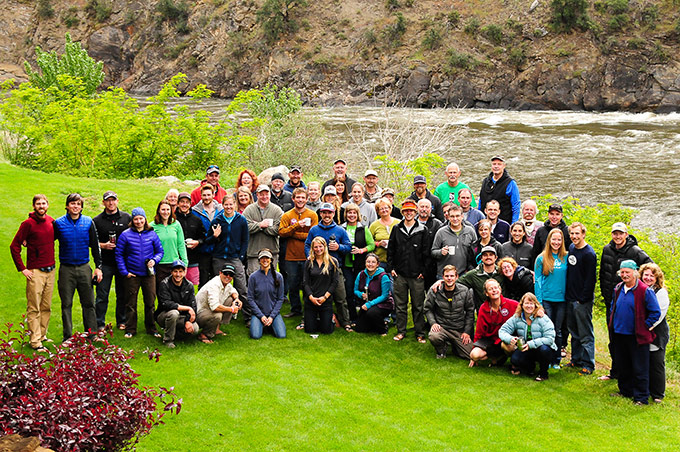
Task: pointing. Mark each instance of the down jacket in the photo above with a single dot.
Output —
(134, 248)
(542, 331)
(611, 261)
(455, 315)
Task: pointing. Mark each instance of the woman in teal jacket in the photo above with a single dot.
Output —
(532, 336)
(550, 285)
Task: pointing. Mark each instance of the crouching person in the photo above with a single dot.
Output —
(176, 311)
(530, 336)
(265, 297)
(451, 313)
(217, 302)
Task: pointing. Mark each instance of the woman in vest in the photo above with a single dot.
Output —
(372, 287)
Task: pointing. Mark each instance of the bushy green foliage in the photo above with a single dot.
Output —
(45, 10)
(63, 130)
(432, 39)
(617, 6)
(517, 57)
(617, 22)
(458, 60)
(392, 4)
(176, 11)
(398, 174)
(472, 26)
(393, 32)
(493, 33)
(453, 18)
(99, 9)
(275, 17)
(569, 14)
(70, 19)
(650, 16)
(659, 54)
(75, 62)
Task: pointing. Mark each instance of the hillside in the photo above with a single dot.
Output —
(429, 53)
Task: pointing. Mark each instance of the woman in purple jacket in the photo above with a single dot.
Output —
(137, 251)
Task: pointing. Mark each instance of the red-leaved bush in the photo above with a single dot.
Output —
(83, 397)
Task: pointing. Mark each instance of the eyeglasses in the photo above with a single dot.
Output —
(211, 167)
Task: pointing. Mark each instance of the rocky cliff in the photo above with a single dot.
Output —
(429, 53)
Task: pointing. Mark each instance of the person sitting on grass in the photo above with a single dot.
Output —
(217, 301)
(320, 279)
(531, 336)
(176, 305)
(265, 298)
(493, 313)
(372, 287)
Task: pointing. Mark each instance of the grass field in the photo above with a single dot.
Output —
(345, 391)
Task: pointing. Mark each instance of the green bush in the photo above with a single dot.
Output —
(275, 17)
(617, 22)
(99, 9)
(453, 19)
(517, 57)
(176, 12)
(617, 6)
(659, 54)
(650, 16)
(457, 60)
(75, 62)
(636, 43)
(569, 14)
(70, 18)
(393, 33)
(432, 39)
(493, 33)
(45, 10)
(472, 26)
(392, 4)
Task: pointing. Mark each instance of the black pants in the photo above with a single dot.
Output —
(205, 270)
(372, 321)
(614, 371)
(633, 362)
(319, 319)
(526, 361)
(148, 286)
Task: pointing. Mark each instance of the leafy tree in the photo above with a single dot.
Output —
(75, 62)
(570, 14)
(275, 17)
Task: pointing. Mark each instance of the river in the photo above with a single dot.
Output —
(627, 158)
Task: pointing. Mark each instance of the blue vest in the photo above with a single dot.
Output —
(74, 239)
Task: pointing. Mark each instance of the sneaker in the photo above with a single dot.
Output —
(441, 355)
(556, 366)
(292, 314)
(640, 403)
(169, 344)
(584, 372)
(128, 335)
(571, 365)
(658, 400)
(563, 352)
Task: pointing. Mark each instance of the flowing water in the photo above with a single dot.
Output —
(632, 159)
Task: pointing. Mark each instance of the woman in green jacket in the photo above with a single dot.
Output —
(530, 335)
(171, 235)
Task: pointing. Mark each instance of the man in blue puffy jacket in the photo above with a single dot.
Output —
(77, 235)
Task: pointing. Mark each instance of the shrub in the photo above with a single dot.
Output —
(45, 10)
(453, 19)
(392, 4)
(275, 17)
(176, 12)
(472, 26)
(75, 62)
(493, 33)
(457, 60)
(569, 14)
(432, 39)
(650, 16)
(617, 6)
(70, 19)
(517, 57)
(99, 9)
(393, 33)
(618, 22)
(636, 43)
(83, 397)
(659, 53)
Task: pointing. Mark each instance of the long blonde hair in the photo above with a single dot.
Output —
(548, 259)
(326, 259)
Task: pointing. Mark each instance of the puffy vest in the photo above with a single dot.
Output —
(74, 239)
(375, 289)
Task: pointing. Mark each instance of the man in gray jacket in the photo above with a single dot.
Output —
(452, 245)
(451, 314)
(263, 219)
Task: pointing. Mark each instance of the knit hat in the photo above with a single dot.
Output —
(278, 176)
(138, 211)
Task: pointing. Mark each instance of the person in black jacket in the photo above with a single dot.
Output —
(518, 248)
(432, 224)
(420, 191)
(517, 280)
(194, 234)
(176, 305)
(110, 224)
(406, 257)
(623, 246)
(554, 221)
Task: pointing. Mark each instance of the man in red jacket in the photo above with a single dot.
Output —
(212, 177)
(37, 234)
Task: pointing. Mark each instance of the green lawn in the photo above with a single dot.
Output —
(345, 391)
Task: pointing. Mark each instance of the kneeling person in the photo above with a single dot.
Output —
(217, 301)
(451, 313)
(176, 305)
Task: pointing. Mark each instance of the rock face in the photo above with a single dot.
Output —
(334, 62)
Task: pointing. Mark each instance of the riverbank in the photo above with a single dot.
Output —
(430, 53)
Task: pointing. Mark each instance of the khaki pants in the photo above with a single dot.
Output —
(38, 304)
(442, 338)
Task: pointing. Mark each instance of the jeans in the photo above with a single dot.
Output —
(101, 303)
(580, 319)
(294, 269)
(527, 360)
(72, 278)
(633, 362)
(556, 310)
(277, 327)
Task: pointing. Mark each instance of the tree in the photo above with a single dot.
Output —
(570, 14)
(275, 18)
(75, 62)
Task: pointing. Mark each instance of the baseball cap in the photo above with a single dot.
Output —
(489, 249)
(213, 169)
(419, 180)
(228, 270)
(109, 194)
(621, 227)
(183, 195)
(340, 160)
(262, 187)
(370, 173)
(177, 263)
(330, 190)
(326, 206)
(264, 253)
(387, 191)
(555, 208)
(497, 157)
(409, 204)
(297, 168)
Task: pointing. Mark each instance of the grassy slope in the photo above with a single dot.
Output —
(343, 392)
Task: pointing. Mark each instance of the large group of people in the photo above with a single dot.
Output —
(487, 283)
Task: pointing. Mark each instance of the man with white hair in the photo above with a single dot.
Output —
(528, 219)
(449, 190)
(372, 192)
